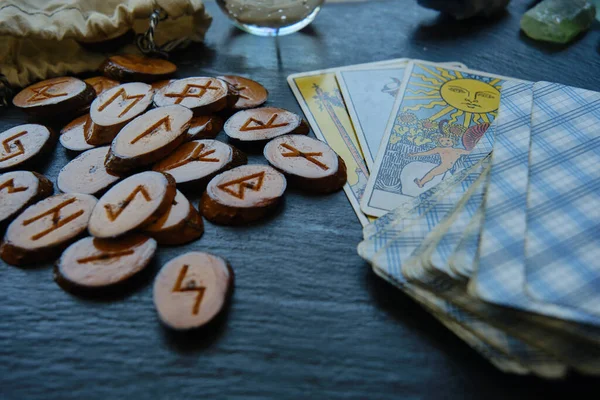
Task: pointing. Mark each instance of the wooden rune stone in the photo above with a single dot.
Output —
(262, 124)
(133, 203)
(196, 163)
(54, 97)
(242, 194)
(46, 227)
(192, 289)
(132, 68)
(20, 189)
(93, 264)
(307, 163)
(148, 138)
(22, 144)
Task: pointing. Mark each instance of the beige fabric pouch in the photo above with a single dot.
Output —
(40, 39)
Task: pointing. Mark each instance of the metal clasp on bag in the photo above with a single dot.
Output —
(145, 41)
(6, 92)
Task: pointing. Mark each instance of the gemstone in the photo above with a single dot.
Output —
(558, 21)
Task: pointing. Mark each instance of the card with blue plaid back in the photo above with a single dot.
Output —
(563, 201)
(428, 232)
(436, 259)
(562, 210)
(462, 260)
(514, 354)
(444, 197)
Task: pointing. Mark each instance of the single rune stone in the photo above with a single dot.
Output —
(92, 264)
(461, 9)
(558, 21)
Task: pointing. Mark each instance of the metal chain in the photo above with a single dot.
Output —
(5, 91)
(145, 41)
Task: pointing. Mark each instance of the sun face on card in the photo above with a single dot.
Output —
(470, 95)
(453, 95)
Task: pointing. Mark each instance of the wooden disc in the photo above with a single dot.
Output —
(101, 84)
(86, 173)
(199, 161)
(92, 263)
(20, 189)
(133, 203)
(180, 224)
(192, 289)
(21, 144)
(250, 93)
(161, 84)
(114, 108)
(56, 96)
(261, 124)
(131, 68)
(46, 228)
(148, 138)
(200, 94)
(72, 136)
(308, 163)
(242, 194)
(204, 127)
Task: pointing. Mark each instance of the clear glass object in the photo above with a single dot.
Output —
(271, 17)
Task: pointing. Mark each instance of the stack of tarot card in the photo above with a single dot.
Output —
(480, 198)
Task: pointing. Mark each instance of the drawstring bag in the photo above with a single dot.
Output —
(40, 39)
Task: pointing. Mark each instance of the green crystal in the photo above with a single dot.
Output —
(558, 21)
(597, 4)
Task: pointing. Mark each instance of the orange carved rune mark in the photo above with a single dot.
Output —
(166, 121)
(261, 125)
(41, 92)
(105, 256)
(112, 215)
(190, 287)
(123, 94)
(253, 182)
(10, 185)
(57, 221)
(196, 155)
(188, 87)
(6, 143)
(239, 89)
(308, 156)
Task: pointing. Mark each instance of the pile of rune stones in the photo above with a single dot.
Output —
(142, 137)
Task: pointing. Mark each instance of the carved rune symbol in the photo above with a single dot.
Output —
(105, 256)
(188, 88)
(190, 287)
(112, 214)
(7, 145)
(10, 186)
(239, 89)
(308, 156)
(197, 155)
(41, 92)
(253, 182)
(123, 94)
(166, 121)
(57, 221)
(258, 125)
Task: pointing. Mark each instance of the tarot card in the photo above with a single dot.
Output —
(369, 94)
(437, 119)
(322, 103)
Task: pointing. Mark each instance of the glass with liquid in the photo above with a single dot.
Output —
(271, 17)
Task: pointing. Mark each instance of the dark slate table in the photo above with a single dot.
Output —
(308, 317)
